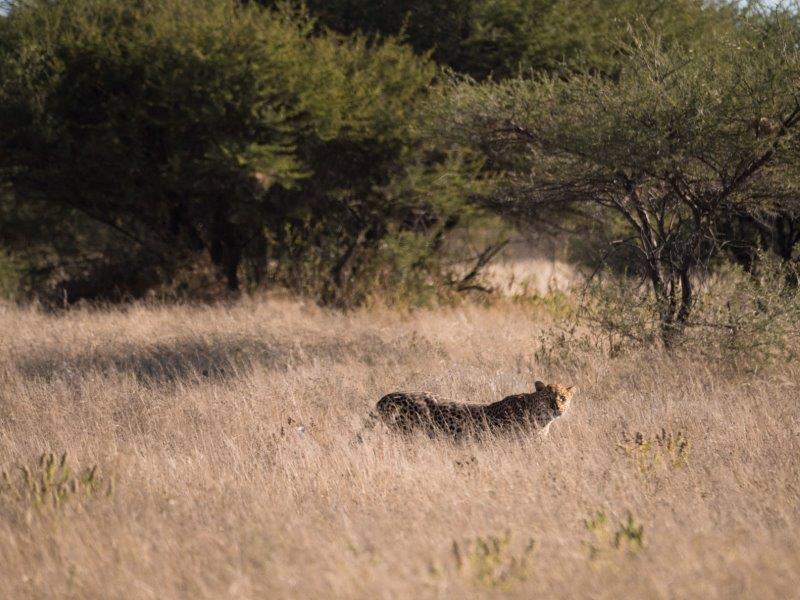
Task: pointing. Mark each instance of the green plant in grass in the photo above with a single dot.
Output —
(628, 536)
(491, 561)
(51, 484)
(663, 451)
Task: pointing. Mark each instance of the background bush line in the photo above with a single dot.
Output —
(345, 150)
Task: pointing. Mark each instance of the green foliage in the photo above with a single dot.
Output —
(628, 536)
(680, 138)
(149, 137)
(154, 119)
(502, 38)
(428, 26)
(189, 147)
(622, 311)
(511, 36)
(373, 221)
(401, 269)
(613, 315)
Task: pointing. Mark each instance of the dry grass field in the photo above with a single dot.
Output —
(231, 461)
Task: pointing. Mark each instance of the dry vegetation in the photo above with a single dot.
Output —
(232, 461)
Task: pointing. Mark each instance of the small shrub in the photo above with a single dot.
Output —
(662, 451)
(597, 525)
(490, 561)
(628, 536)
(749, 320)
(401, 269)
(739, 319)
(562, 344)
(620, 313)
(51, 484)
(614, 316)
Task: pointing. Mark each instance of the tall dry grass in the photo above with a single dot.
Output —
(232, 462)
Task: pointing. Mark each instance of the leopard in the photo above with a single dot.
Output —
(423, 411)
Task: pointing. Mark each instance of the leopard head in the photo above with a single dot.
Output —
(559, 395)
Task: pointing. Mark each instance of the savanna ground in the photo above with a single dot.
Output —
(232, 461)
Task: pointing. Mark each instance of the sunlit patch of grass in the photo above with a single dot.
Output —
(268, 481)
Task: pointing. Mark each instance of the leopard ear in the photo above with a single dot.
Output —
(571, 390)
(539, 385)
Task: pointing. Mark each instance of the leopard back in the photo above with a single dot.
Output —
(408, 411)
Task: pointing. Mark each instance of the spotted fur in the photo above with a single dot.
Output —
(428, 412)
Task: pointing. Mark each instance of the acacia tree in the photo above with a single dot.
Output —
(679, 140)
(175, 133)
(153, 118)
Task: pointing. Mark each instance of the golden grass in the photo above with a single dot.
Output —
(234, 441)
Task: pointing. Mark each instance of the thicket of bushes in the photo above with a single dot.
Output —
(154, 145)
(189, 147)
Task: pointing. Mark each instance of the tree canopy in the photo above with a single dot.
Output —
(500, 38)
(673, 145)
(339, 148)
(194, 128)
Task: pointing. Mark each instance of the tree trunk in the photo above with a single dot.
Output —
(787, 228)
(344, 266)
(233, 257)
(225, 250)
(676, 309)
